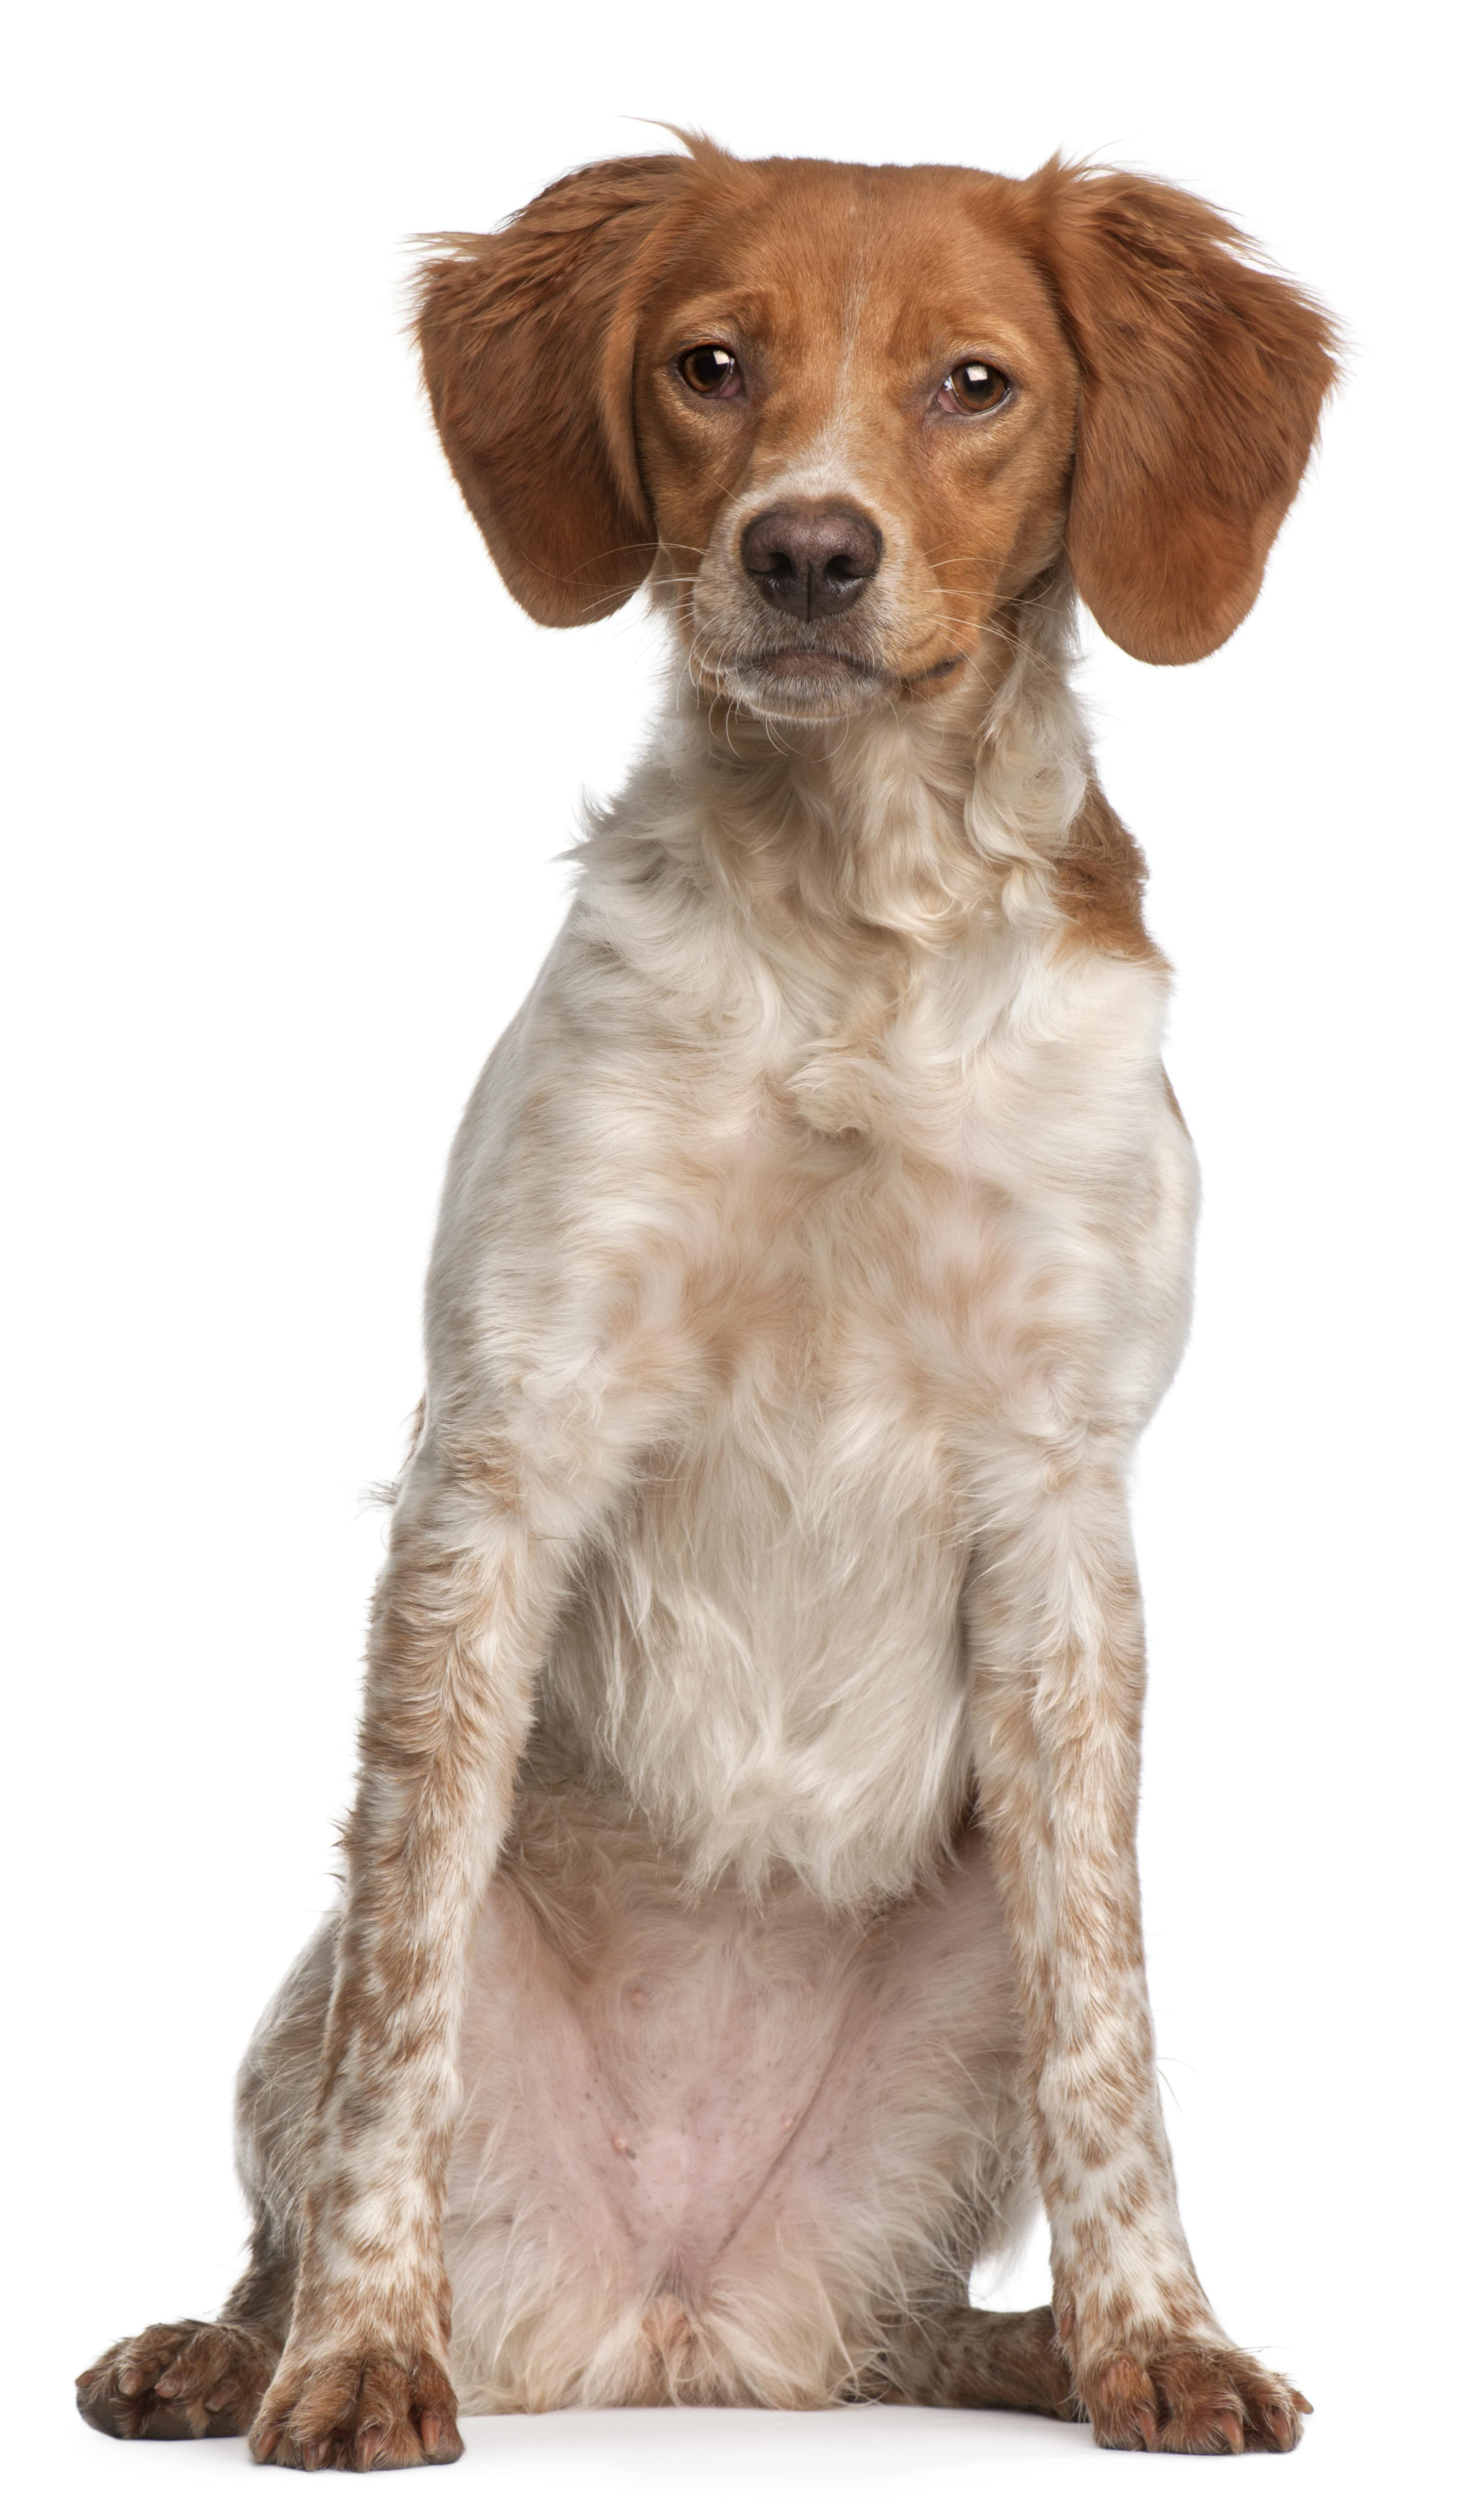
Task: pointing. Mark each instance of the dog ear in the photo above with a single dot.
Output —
(528, 339)
(1202, 377)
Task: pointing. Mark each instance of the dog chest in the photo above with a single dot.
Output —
(824, 1266)
(767, 1651)
(766, 1647)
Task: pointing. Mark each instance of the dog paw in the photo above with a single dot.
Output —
(180, 2382)
(1189, 2397)
(365, 2410)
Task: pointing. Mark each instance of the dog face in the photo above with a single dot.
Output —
(839, 416)
(855, 415)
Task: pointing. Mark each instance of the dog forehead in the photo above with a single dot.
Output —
(901, 259)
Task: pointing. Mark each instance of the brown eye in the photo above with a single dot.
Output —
(976, 386)
(711, 370)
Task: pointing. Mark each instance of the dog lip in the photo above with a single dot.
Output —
(788, 663)
(824, 661)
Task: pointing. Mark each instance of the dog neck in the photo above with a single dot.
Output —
(915, 822)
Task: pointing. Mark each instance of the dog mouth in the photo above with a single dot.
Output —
(816, 678)
(826, 662)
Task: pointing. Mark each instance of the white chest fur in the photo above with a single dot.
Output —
(829, 1227)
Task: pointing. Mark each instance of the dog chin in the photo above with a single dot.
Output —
(804, 684)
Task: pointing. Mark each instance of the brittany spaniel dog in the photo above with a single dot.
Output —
(740, 1928)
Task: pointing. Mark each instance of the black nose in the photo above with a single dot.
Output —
(811, 561)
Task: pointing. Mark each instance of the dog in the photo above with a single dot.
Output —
(740, 1929)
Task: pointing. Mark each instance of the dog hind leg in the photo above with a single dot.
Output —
(192, 2378)
(960, 2356)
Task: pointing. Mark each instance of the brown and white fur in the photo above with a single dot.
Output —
(741, 1925)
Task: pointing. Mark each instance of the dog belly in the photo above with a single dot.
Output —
(708, 2146)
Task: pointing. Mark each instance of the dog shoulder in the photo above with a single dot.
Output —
(1100, 880)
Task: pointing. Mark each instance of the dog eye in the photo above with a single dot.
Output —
(974, 384)
(711, 370)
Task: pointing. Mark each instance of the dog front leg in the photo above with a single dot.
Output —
(1055, 1630)
(463, 1619)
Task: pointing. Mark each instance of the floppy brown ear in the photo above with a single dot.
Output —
(1202, 378)
(527, 338)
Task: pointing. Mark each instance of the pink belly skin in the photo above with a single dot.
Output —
(709, 2146)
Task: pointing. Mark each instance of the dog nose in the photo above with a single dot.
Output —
(811, 561)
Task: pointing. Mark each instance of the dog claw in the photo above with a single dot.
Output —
(1190, 2397)
(360, 2409)
(180, 2381)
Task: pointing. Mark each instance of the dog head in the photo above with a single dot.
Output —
(841, 416)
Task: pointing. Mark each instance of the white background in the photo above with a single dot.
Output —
(292, 776)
